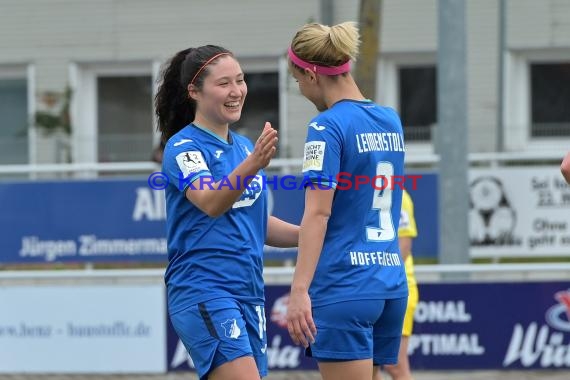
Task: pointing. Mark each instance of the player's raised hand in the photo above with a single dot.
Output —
(265, 146)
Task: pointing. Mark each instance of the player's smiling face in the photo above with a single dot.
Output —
(221, 98)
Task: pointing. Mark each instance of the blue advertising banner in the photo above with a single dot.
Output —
(457, 326)
(492, 326)
(124, 220)
(81, 221)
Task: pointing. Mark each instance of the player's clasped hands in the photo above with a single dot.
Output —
(265, 146)
(300, 319)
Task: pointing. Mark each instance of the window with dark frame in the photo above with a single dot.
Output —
(418, 101)
(124, 118)
(550, 99)
(14, 121)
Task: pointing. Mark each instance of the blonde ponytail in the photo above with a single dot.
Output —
(345, 39)
(325, 45)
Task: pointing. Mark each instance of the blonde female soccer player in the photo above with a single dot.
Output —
(349, 291)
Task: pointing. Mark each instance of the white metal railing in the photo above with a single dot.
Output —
(80, 273)
(514, 157)
(283, 275)
(278, 163)
(80, 167)
(461, 272)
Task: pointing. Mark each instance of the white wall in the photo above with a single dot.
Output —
(55, 35)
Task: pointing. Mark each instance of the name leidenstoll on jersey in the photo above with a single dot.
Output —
(360, 256)
(212, 257)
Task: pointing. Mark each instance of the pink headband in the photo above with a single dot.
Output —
(324, 70)
(206, 64)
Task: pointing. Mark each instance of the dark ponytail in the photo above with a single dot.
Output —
(173, 107)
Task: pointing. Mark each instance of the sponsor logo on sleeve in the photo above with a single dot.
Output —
(314, 155)
(191, 162)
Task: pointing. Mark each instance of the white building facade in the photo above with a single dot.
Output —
(108, 53)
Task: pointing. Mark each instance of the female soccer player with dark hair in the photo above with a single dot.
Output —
(216, 225)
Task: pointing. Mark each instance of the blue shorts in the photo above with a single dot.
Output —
(221, 330)
(362, 329)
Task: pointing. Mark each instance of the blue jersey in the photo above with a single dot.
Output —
(209, 257)
(353, 146)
